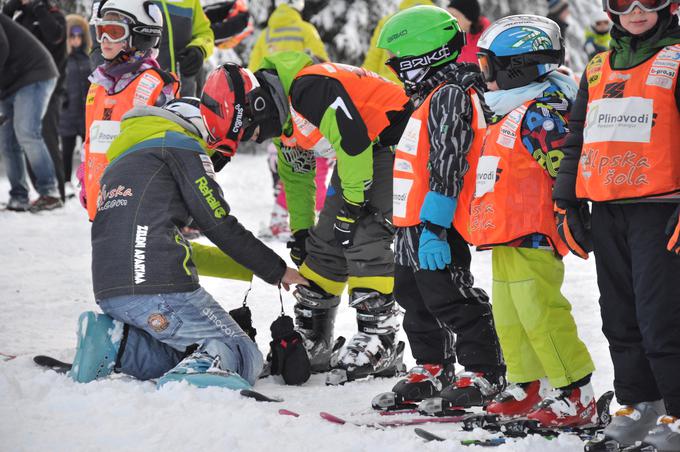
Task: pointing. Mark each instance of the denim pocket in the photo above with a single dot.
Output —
(164, 322)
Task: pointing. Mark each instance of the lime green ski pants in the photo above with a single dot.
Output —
(533, 319)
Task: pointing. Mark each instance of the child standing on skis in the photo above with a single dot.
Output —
(447, 318)
(129, 32)
(622, 155)
(511, 213)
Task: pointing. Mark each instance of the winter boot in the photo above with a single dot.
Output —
(202, 370)
(314, 319)
(567, 408)
(519, 399)
(631, 423)
(421, 382)
(473, 389)
(373, 349)
(99, 339)
(665, 437)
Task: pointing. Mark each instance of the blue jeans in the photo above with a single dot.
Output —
(22, 133)
(162, 326)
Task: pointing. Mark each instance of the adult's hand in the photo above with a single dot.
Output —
(292, 276)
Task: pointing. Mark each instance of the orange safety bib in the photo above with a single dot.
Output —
(513, 193)
(630, 145)
(103, 113)
(412, 175)
(372, 95)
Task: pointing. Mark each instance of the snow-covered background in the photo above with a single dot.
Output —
(45, 284)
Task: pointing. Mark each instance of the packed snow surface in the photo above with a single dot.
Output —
(45, 284)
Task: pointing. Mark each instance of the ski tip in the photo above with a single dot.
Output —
(284, 412)
(428, 436)
(332, 418)
(258, 396)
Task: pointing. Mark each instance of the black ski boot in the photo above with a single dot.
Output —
(315, 312)
(422, 382)
(373, 349)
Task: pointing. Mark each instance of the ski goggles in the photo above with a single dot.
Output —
(620, 7)
(111, 30)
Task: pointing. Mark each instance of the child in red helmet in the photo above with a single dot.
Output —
(622, 156)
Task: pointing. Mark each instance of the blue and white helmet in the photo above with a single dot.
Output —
(517, 50)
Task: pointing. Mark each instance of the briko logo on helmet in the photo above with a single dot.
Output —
(397, 35)
(407, 64)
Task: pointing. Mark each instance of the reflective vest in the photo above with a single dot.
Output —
(372, 95)
(412, 175)
(630, 134)
(103, 113)
(513, 193)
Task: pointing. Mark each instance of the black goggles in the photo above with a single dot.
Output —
(490, 64)
(409, 63)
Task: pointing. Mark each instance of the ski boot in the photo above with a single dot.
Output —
(99, 339)
(470, 389)
(373, 350)
(202, 370)
(631, 423)
(314, 319)
(519, 399)
(565, 408)
(421, 382)
(665, 437)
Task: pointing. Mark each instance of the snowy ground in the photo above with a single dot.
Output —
(45, 284)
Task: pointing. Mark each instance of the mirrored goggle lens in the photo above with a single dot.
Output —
(626, 6)
(485, 66)
(112, 31)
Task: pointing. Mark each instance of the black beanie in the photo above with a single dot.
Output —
(469, 8)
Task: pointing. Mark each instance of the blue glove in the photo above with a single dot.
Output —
(434, 252)
(438, 209)
(436, 213)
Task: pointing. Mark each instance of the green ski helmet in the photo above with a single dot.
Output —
(420, 38)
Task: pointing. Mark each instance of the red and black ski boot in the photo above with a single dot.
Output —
(519, 399)
(567, 408)
(470, 389)
(421, 382)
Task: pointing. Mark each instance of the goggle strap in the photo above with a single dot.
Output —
(239, 101)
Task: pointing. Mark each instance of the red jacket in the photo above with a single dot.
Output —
(469, 53)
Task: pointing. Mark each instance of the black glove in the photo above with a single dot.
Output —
(573, 225)
(673, 231)
(288, 354)
(298, 250)
(346, 224)
(243, 317)
(190, 60)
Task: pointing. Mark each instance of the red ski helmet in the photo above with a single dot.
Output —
(224, 107)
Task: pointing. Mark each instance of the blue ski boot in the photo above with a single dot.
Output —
(99, 338)
(203, 370)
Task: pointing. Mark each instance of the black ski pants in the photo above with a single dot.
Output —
(639, 285)
(446, 316)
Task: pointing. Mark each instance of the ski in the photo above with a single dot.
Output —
(258, 396)
(6, 357)
(392, 423)
(285, 412)
(54, 364)
(427, 435)
(489, 442)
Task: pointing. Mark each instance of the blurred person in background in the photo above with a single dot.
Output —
(76, 83)
(471, 21)
(375, 57)
(47, 23)
(27, 80)
(598, 35)
(558, 11)
(286, 30)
